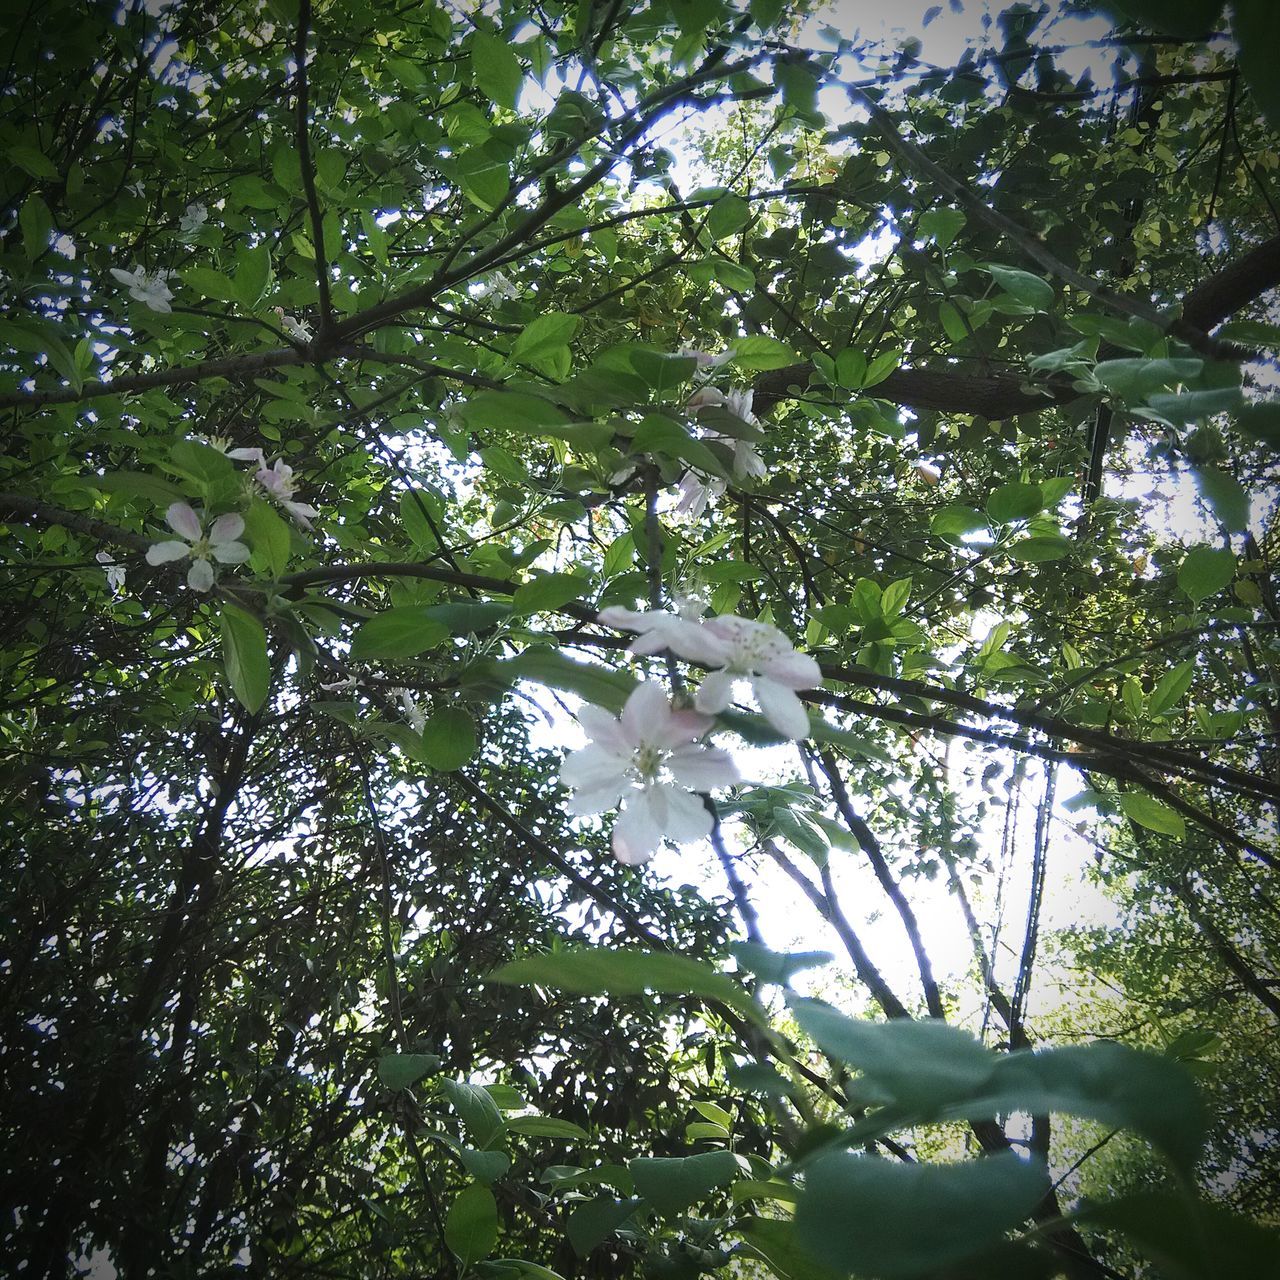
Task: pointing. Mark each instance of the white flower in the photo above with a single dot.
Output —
(650, 760)
(685, 637)
(762, 656)
(413, 713)
(194, 218)
(114, 572)
(928, 473)
(705, 360)
(219, 545)
(150, 289)
(223, 445)
(496, 283)
(696, 488)
(298, 331)
(347, 682)
(279, 483)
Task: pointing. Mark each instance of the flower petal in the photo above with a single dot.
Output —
(688, 818)
(247, 455)
(637, 833)
(703, 768)
(593, 767)
(200, 575)
(795, 670)
(163, 552)
(781, 707)
(126, 277)
(596, 799)
(183, 520)
(605, 730)
(646, 711)
(623, 619)
(230, 553)
(716, 692)
(226, 528)
(302, 512)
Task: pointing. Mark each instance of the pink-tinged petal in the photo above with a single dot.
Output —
(795, 670)
(301, 512)
(703, 768)
(646, 712)
(716, 692)
(164, 552)
(688, 818)
(226, 528)
(605, 730)
(592, 767)
(679, 728)
(623, 619)
(637, 834)
(230, 553)
(781, 708)
(183, 520)
(200, 575)
(247, 455)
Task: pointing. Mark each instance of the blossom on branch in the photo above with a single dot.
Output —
(148, 288)
(219, 544)
(295, 328)
(278, 482)
(760, 655)
(193, 219)
(648, 759)
(684, 636)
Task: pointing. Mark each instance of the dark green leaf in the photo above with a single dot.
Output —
(595, 1221)
(1205, 571)
(244, 653)
(400, 1070)
(477, 1110)
(471, 1226)
(672, 1185)
(449, 739)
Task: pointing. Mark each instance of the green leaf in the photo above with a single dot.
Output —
(877, 1217)
(484, 176)
(1188, 1239)
(954, 522)
(137, 484)
(1035, 550)
(468, 617)
(477, 1111)
(881, 367)
(548, 592)
(402, 632)
(471, 1225)
(851, 368)
(253, 273)
(202, 464)
(546, 1127)
(269, 536)
(1030, 290)
(1135, 379)
(34, 161)
(623, 971)
(484, 1166)
(777, 967)
(510, 411)
(672, 1185)
(1170, 688)
(449, 739)
(1153, 814)
(595, 1221)
(1225, 496)
(758, 351)
(941, 225)
(1205, 571)
(1017, 501)
(544, 337)
(773, 1241)
(1256, 27)
(36, 223)
(604, 686)
(727, 215)
(244, 652)
(662, 435)
(400, 1070)
(496, 68)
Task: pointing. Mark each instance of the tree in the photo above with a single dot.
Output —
(390, 387)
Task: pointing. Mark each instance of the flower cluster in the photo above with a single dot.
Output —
(150, 288)
(650, 759)
(698, 489)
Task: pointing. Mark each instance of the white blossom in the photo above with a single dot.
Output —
(219, 544)
(658, 631)
(497, 283)
(295, 328)
(114, 571)
(149, 288)
(193, 219)
(413, 713)
(280, 486)
(648, 759)
(698, 489)
(336, 686)
(757, 654)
